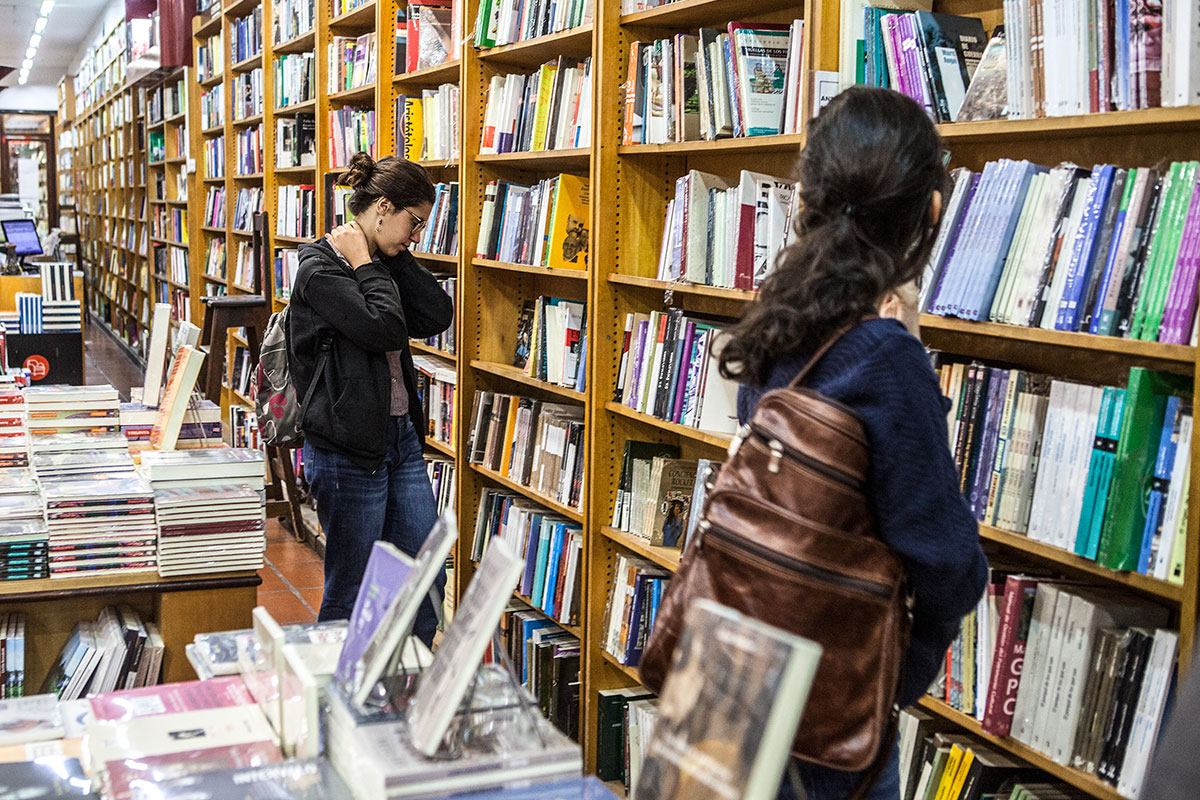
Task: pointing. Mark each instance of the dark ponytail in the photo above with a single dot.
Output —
(402, 182)
(867, 173)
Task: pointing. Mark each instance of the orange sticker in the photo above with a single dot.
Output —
(38, 367)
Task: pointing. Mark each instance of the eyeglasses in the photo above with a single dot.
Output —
(418, 223)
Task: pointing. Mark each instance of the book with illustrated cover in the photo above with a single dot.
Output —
(568, 234)
(987, 93)
(669, 503)
(729, 708)
(45, 777)
(387, 570)
(309, 779)
(28, 719)
(176, 397)
(442, 686)
(953, 47)
(524, 335)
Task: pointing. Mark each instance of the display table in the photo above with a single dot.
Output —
(50, 357)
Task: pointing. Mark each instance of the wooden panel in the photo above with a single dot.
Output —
(184, 614)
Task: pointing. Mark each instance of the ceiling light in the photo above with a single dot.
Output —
(27, 64)
(46, 6)
(40, 25)
(35, 40)
(23, 78)
(30, 52)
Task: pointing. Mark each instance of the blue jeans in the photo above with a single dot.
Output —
(356, 508)
(823, 783)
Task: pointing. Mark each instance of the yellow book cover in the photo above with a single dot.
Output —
(568, 248)
(545, 90)
(950, 773)
(960, 778)
(506, 453)
(414, 128)
(535, 341)
(181, 381)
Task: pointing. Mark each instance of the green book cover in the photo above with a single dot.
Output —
(939, 766)
(1170, 260)
(1109, 455)
(539, 575)
(1141, 419)
(1169, 192)
(1084, 525)
(482, 34)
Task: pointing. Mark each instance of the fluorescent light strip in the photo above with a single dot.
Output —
(35, 41)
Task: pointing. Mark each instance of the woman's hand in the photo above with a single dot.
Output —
(351, 242)
(901, 303)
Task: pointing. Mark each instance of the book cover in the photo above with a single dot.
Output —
(302, 779)
(386, 572)
(954, 48)
(176, 398)
(729, 708)
(45, 777)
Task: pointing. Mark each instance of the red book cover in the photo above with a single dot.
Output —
(1019, 591)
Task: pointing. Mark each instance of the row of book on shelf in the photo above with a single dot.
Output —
(427, 125)
(427, 34)
(247, 94)
(549, 109)
(296, 141)
(437, 387)
(543, 224)
(295, 79)
(292, 18)
(501, 22)
(351, 62)
(552, 341)
(1057, 461)
(712, 85)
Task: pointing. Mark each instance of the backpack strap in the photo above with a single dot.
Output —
(824, 348)
(322, 357)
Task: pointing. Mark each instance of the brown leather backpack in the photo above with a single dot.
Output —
(787, 536)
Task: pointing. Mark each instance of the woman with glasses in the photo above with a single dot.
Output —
(359, 295)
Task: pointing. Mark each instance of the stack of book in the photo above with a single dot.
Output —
(441, 477)
(1074, 672)
(1059, 461)
(503, 22)
(14, 437)
(633, 601)
(351, 62)
(24, 543)
(246, 36)
(437, 386)
(551, 547)
(721, 233)
(296, 141)
(100, 525)
(250, 151)
(535, 444)
(1108, 251)
(427, 125)
(713, 85)
(352, 130)
(548, 110)
(201, 425)
(11, 320)
(440, 236)
(295, 79)
(206, 529)
(551, 341)
(71, 409)
(193, 469)
(57, 283)
(12, 673)
(157, 732)
(544, 225)
(29, 306)
(60, 316)
(660, 495)
(297, 212)
(247, 94)
(669, 370)
(546, 660)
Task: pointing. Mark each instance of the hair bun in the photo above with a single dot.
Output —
(359, 171)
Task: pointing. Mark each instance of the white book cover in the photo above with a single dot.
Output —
(1148, 717)
(1176, 492)
(1079, 460)
(1033, 672)
(1047, 470)
(1020, 244)
(441, 688)
(36, 718)
(718, 400)
(1051, 684)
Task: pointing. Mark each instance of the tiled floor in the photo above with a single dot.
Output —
(293, 577)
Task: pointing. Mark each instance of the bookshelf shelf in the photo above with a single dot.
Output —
(206, 27)
(553, 505)
(574, 630)
(435, 257)
(304, 107)
(721, 440)
(438, 164)
(174, 201)
(517, 376)
(239, 8)
(743, 144)
(421, 347)
(249, 65)
(1089, 783)
(361, 18)
(214, 279)
(208, 83)
(611, 660)
(699, 290)
(1083, 567)
(175, 161)
(176, 118)
(574, 274)
(358, 94)
(692, 13)
(170, 282)
(997, 132)
(576, 42)
(295, 170)
(446, 72)
(253, 176)
(441, 447)
(213, 130)
(170, 242)
(290, 239)
(207, 229)
(242, 233)
(571, 160)
(305, 42)
(665, 557)
(247, 122)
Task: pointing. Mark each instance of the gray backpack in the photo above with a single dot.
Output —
(279, 411)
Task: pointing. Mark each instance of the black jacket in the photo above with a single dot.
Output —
(364, 313)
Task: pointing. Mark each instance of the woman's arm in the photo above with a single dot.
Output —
(428, 310)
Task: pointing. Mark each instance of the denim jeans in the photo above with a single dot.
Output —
(357, 507)
(823, 783)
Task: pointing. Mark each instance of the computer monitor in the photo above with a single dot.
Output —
(22, 233)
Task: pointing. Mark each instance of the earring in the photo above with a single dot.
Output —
(378, 225)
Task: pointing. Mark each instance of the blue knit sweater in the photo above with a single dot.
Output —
(881, 372)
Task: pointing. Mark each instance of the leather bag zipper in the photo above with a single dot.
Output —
(778, 450)
(707, 528)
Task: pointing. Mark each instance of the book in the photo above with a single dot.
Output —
(306, 779)
(708, 740)
(46, 776)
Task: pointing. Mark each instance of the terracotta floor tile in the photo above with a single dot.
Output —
(286, 608)
(303, 576)
(271, 582)
(313, 598)
(287, 553)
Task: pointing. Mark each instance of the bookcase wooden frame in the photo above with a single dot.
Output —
(630, 188)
